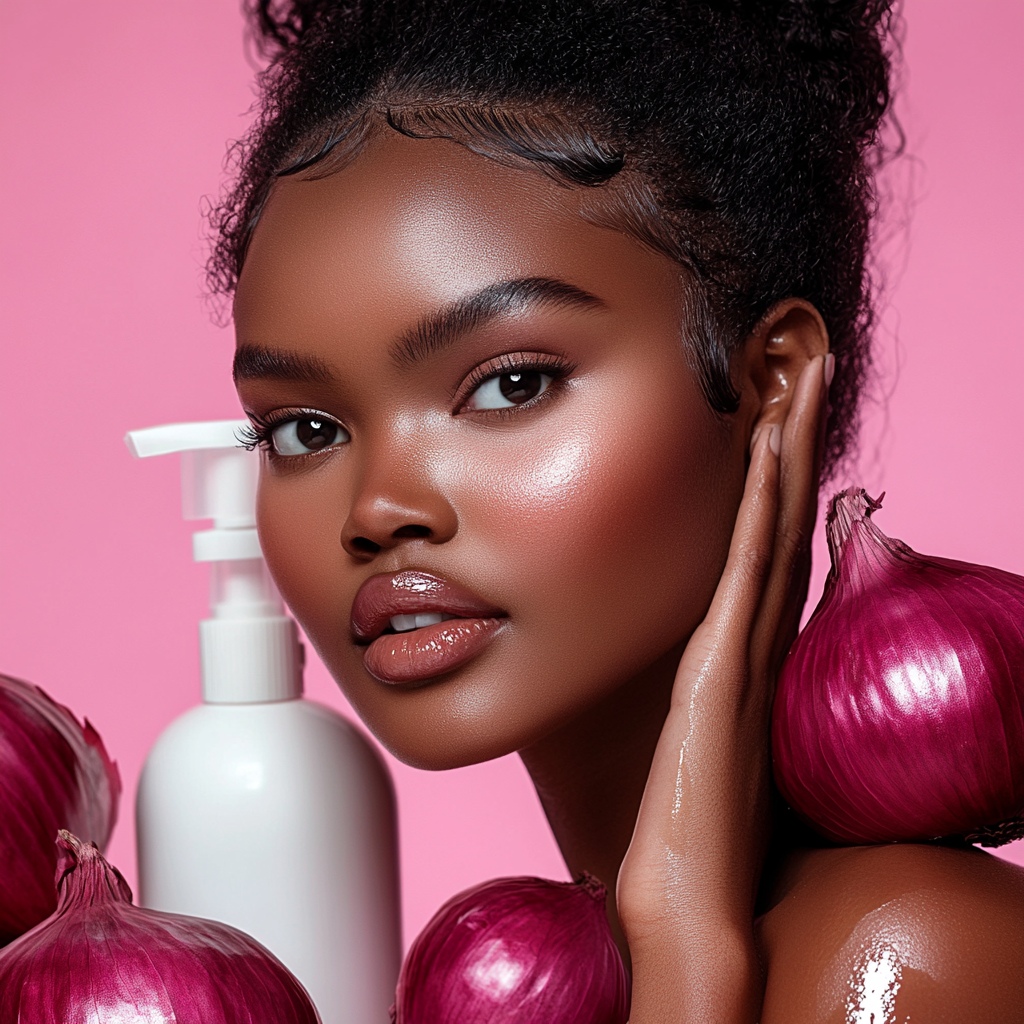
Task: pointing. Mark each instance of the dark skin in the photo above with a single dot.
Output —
(646, 558)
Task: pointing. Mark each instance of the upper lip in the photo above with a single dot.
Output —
(410, 591)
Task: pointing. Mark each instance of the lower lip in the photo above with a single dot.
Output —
(429, 651)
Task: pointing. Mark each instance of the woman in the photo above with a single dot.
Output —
(540, 310)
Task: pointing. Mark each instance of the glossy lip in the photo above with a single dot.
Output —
(430, 651)
(410, 591)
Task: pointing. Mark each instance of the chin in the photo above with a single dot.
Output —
(434, 727)
(477, 713)
(484, 711)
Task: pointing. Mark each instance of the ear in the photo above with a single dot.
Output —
(784, 341)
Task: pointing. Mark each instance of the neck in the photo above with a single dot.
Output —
(590, 775)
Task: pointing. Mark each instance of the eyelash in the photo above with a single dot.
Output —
(258, 433)
(253, 435)
(553, 366)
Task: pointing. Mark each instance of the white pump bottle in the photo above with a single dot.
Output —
(258, 808)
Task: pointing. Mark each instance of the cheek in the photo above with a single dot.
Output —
(621, 519)
(300, 533)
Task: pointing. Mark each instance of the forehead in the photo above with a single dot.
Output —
(412, 224)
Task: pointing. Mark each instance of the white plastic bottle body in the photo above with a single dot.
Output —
(279, 818)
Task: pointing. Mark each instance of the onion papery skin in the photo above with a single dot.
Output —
(54, 774)
(516, 951)
(899, 711)
(101, 960)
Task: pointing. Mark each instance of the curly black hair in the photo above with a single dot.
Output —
(739, 137)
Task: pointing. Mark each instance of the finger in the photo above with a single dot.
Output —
(716, 718)
(785, 590)
(748, 565)
(707, 731)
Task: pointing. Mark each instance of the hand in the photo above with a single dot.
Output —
(686, 888)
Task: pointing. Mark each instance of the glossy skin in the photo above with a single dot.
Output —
(512, 505)
(950, 921)
(611, 524)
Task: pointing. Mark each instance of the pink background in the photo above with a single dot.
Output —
(114, 119)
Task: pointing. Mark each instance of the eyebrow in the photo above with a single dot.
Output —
(435, 332)
(255, 362)
(444, 328)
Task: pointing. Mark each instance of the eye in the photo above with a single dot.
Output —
(305, 434)
(513, 388)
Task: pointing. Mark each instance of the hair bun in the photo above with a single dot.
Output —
(829, 28)
(280, 25)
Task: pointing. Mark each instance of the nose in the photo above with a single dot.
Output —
(391, 508)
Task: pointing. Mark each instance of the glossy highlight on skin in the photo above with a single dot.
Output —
(874, 987)
(899, 929)
(886, 943)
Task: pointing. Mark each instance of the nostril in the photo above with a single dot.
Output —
(412, 531)
(364, 545)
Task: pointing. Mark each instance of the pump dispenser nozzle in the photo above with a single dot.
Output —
(250, 649)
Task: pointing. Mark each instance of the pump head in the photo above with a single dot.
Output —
(218, 482)
(250, 648)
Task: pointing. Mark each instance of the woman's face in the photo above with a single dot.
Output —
(482, 409)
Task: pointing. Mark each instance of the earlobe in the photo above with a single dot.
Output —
(787, 338)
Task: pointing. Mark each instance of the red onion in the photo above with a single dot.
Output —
(54, 773)
(100, 960)
(516, 951)
(899, 713)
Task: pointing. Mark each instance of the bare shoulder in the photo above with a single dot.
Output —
(894, 934)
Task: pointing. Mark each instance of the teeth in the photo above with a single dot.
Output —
(429, 619)
(403, 623)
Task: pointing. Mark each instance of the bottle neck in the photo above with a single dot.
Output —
(250, 648)
(243, 589)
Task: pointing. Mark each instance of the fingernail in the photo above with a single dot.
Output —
(830, 368)
(775, 439)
